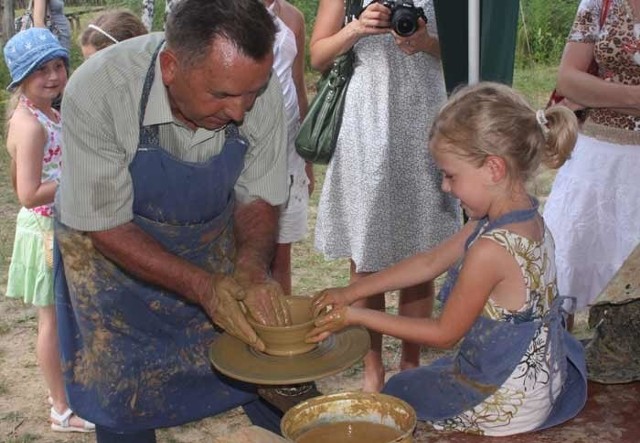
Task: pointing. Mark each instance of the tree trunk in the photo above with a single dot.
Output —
(7, 20)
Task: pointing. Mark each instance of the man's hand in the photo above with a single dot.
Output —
(263, 298)
(224, 308)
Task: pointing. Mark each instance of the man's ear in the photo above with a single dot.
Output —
(168, 66)
(497, 167)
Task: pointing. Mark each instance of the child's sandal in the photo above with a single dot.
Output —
(62, 422)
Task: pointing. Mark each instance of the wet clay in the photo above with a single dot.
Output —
(289, 340)
(350, 432)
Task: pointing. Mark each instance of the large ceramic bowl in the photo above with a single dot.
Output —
(333, 418)
(289, 340)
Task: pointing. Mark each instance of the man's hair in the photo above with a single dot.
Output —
(194, 24)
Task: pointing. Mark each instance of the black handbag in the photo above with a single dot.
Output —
(319, 130)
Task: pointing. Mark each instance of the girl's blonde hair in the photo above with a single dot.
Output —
(121, 24)
(492, 119)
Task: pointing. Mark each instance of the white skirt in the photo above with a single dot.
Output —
(593, 213)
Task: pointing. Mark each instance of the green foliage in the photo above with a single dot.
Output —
(543, 29)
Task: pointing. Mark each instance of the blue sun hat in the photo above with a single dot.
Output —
(28, 50)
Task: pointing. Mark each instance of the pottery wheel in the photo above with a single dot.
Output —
(238, 360)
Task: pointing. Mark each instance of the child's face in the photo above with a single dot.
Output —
(467, 182)
(47, 82)
(88, 51)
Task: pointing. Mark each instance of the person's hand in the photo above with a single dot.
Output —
(332, 298)
(308, 168)
(223, 306)
(416, 42)
(325, 325)
(263, 298)
(374, 19)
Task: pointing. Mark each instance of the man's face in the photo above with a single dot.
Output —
(219, 89)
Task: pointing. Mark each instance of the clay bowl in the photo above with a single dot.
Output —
(350, 417)
(289, 340)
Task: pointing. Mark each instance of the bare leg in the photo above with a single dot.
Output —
(49, 361)
(373, 367)
(416, 301)
(281, 266)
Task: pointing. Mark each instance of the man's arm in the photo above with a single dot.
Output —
(256, 228)
(142, 256)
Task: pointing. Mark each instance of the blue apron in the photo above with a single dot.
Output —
(135, 355)
(489, 353)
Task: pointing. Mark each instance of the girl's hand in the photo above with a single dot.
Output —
(327, 324)
(335, 298)
(375, 19)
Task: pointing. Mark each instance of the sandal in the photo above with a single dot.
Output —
(62, 422)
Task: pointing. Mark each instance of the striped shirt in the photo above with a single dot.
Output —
(100, 137)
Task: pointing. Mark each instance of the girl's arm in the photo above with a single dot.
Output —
(39, 13)
(412, 271)
(482, 270)
(295, 20)
(329, 39)
(588, 90)
(27, 138)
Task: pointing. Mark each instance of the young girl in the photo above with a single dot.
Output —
(516, 369)
(38, 67)
(108, 29)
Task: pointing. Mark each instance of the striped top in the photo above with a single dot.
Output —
(101, 129)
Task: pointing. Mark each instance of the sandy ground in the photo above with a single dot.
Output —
(23, 394)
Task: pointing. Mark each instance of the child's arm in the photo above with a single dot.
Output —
(481, 271)
(27, 138)
(412, 271)
(39, 13)
(294, 19)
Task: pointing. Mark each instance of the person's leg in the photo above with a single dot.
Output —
(104, 435)
(49, 361)
(416, 301)
(373, 366)
(281, 266)
(263, 414)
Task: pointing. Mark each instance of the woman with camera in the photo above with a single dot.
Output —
(381, 201)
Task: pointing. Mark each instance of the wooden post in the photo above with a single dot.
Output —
(8, 19)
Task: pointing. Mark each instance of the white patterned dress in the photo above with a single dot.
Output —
(525, 399)
(381, 201)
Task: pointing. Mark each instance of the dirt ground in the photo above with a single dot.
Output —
(23, 394)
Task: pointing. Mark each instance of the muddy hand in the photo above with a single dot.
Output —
(266, 304)
(327, 324)
(334, 298)
(225, 310)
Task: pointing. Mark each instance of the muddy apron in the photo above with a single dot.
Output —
(489, 353)
(134, 355)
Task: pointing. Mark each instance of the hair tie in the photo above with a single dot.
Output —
(542, 122)
(103, 32)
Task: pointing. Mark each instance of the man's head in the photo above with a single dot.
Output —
(217, 59)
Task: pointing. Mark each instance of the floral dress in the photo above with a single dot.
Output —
(30, 277)
(593, 209)
(526, 398)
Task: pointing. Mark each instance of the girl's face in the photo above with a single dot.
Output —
(47, 82)
(467, 182)
(88, 51)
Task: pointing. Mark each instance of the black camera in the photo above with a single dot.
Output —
(404, 16)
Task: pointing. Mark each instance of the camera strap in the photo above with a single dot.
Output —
(352, 9)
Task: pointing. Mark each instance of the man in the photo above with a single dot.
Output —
(174, 163)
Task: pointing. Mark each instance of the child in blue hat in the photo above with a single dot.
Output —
(38, 68)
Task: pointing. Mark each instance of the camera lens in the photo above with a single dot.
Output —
(404, 22)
